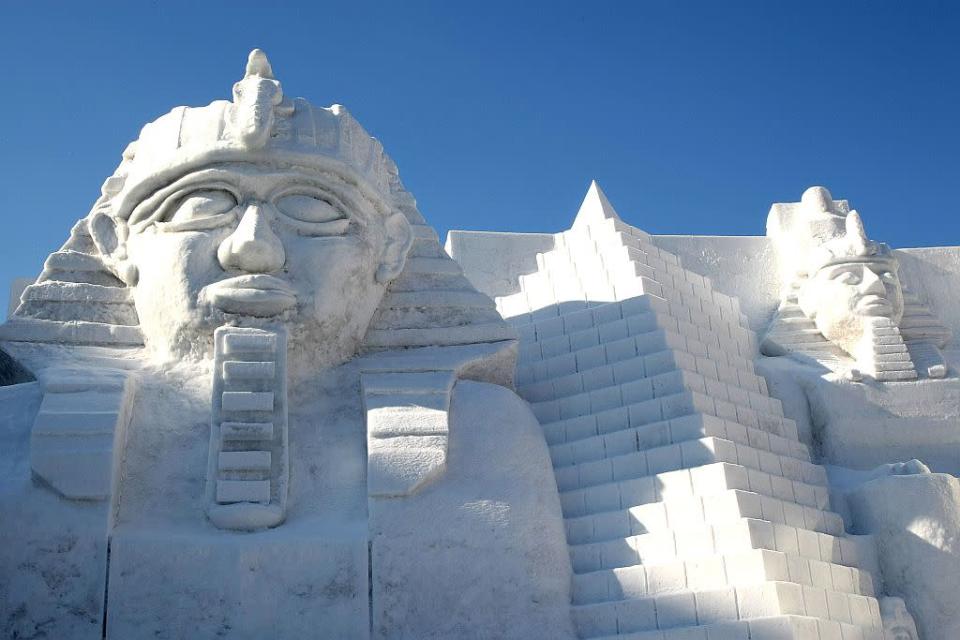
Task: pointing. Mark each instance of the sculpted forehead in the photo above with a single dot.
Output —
(879, 267)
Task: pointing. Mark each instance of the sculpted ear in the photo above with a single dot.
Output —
(110, 237)
(399, 239)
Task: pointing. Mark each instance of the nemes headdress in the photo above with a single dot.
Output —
(850, 246)
(817, 232)
(259, 124)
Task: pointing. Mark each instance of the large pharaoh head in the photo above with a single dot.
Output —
(259, 211)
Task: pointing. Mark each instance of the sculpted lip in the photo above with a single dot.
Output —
(253, 295)
(874, 304)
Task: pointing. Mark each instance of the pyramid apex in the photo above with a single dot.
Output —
(594, 208)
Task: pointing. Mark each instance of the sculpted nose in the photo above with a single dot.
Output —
(871, 283)
(253, 246)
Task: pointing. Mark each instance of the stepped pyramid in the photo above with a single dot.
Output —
(76, 300)
(431, 302)
(924, 335)
(692, 510)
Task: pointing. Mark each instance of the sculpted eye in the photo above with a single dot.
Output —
(313, 216)
(846, 277)
(201, 210)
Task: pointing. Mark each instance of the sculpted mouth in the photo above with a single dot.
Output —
(252, 295)
(874, 305)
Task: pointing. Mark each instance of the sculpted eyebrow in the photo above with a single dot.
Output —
(145, 212)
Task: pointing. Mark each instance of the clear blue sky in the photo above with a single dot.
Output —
(694, 117)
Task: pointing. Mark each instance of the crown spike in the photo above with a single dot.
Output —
(856, 234)
(258, 65)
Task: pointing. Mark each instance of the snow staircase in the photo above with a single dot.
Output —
(692, 510)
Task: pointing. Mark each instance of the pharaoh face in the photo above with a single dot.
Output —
(841, 297)
(254, 245)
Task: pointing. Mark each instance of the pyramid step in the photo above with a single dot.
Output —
(668, 314)
(72, 261)
(716, 572)
(51, 290)
(439, 336)
(413, 317)
(573, 321)
(893, 351)
(769, 628)
(737, 536)
(700, 481)
(25, 329)
(514, 308)
(630, 369)
(768, 600)
(461, 298)
(444, 264)
(626, 360)
(635, 428)
(733, 400)
(426, 248)
(687, 454)
(661, 433)
(420, 281)
(426, 243)
(893, 365)
(66, 311)
(687, 483)
(613, 395)
(906, 374)
(719, 508)
(101, 278)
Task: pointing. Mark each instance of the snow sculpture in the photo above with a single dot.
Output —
(254, 321)
(843, 303)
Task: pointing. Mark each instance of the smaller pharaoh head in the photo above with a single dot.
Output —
(850, 281)
(834, 278)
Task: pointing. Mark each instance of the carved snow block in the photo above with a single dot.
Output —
(248, 468)
(76, 445)
(407, 428)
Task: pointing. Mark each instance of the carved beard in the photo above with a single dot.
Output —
(847, 334)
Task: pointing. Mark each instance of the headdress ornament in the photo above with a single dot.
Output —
(852, 246)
